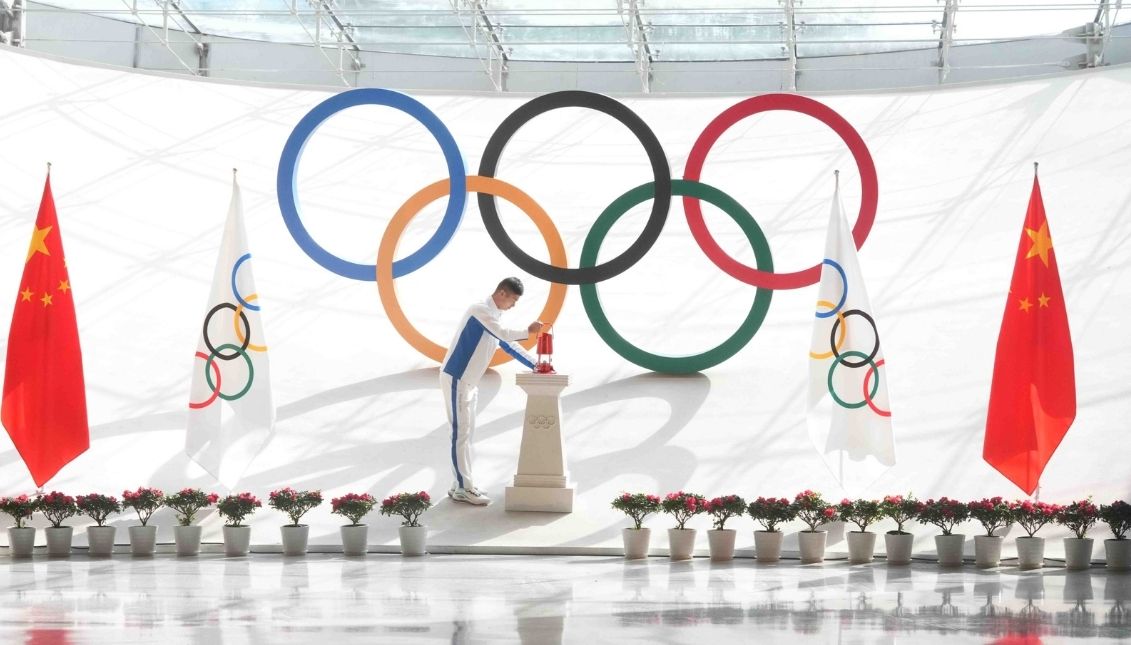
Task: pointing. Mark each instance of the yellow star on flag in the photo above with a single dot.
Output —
(38, 243)
(46, 299)
(1044, 300)
(64, 285)
(1026, 305)
(1042, 243)
(26, 295)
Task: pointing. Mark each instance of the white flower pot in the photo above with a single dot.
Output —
(187, 539)
(1077, 553)
(812, 545)
(21, 541)
(721, 542)
(987, 551)
(413, 540)
(143, 539)
(636, 543)
(237, 540)
(59, 541)
(681, 543)
(355, 539)
(294, 539)
(898, 548)
(101, 540)
(767, 545)
(1030, 552)
(948, 548)
(861, 547)
(1117, 553)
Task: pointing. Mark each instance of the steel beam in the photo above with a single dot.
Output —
(486, 39)
(946, 38)
(637, 32)
(790, 27)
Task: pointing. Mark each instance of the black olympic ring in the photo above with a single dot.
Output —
(832, 338)
(660, 171)
(246, 338)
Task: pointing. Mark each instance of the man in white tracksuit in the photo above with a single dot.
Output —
(477, 337)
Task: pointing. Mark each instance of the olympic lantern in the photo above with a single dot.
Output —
(545, 364)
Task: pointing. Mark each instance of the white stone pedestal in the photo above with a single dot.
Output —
(542, 482)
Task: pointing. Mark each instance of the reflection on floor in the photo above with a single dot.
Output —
(541, 599)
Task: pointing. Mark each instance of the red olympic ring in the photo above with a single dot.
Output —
(215, 393)
(868, 375)
(869, 184)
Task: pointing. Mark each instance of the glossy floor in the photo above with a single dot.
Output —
(543, 599)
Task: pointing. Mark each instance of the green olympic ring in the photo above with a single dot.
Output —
(866, 361)
(676, 364)
(250, 371)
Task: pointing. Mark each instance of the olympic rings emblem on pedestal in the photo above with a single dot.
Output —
(588, 272)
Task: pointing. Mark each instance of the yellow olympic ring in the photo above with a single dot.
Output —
(239, 333)
(386, 286)
(840, 337)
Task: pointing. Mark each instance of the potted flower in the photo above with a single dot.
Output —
(295, 504)
(946, 513)
(1079, 516)
(993, 513)
(352, 506)
(144, 501)
(861, 512)
(1117, 552)
(637, 506)
(234, 509)
(682, 506)
(1031, 516)
(21, 539)
(720, 538)
(898, 543)
(769, 512)
(99, 507)
(186, 504)
(812, 509)
(57, 507)
(409, 506)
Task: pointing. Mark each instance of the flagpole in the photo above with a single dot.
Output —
(48, 168)
(840, 454)
(1035, 168)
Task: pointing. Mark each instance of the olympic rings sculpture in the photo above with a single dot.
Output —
(588, 272)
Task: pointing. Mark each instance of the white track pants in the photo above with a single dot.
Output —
(459, 403)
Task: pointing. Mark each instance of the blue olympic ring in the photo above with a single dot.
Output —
(843, 295)
(235, 290)
(288, 191)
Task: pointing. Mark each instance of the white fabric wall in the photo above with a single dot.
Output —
(142, 168)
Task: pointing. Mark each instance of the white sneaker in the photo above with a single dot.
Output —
(470, 496)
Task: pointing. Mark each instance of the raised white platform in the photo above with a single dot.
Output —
(542, 481)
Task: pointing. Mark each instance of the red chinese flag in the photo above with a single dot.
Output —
(44, 406)
(1033, 396)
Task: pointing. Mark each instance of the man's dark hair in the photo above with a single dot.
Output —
(511, 285)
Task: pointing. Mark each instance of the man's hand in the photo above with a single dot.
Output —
(535, 327)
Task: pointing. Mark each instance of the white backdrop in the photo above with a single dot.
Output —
(142, 168)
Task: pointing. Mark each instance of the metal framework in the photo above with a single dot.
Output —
(485, 38)
(162, 35)
(789, 27)
(637, 31)
(946, 38)
(326, 17)
(1101, 29)
(12, 22)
